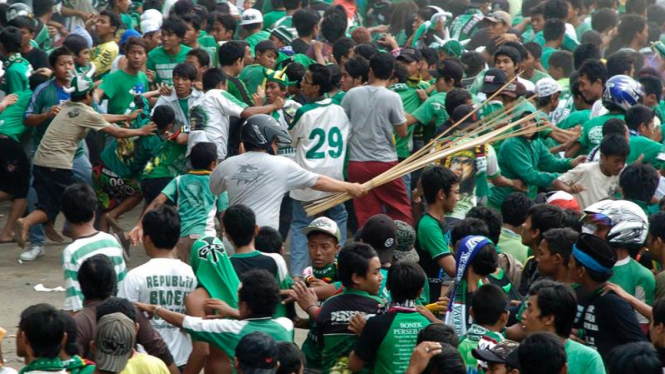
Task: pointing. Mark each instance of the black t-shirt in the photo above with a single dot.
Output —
(37, 58)
(609, 321)
(299, 46)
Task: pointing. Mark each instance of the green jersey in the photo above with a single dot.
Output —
(410, 103)
(197, 206)
(237, 89)
(434, 108)
(226, 333)
(569, 44)
(254, 39)
(214, 271)
(575, 118)
(592, 131)
(476, 337)
(432, 244)
(127, 22)
(208, 44)
(163, 63)
(253, 76)
(654, 152)
(387, 341)
(270, 18)
(581, 29)
(582, 359)
(128, 157)
(121, 87)
(17, 72)
(466, 25)
(545, 57)
(538, 75)
(635, 279)
(11, 119)
(43, 39)
(169, 161)
(339, 95)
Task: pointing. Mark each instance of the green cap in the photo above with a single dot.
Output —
(278, 76)
(81, 83)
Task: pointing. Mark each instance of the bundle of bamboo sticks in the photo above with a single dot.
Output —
(491, 127)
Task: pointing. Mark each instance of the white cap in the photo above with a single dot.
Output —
(251, 16)
(153, 15)
(546, 87)
(149, 25)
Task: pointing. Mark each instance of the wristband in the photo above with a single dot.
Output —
(157, 307)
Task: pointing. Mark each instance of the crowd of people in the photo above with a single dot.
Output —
(224, 122)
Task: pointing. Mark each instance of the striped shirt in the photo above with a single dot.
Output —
(82, 249)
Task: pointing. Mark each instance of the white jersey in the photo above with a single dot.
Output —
(320, 132)
(165, 282)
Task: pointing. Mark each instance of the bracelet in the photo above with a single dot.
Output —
(157, 307)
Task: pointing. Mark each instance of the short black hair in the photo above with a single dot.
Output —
(466, 227)
(291, 4)
(41, 7)
(636, 357)
(560, 242)
(366, 50)
(335, 76)
(614, 126)
(540, 348)
(430, 56)
(75, 43)
(486, 260)
(594, 70)
(620, 63)
(305, 20)
(658, 311)
(554, 29)
(354, 258)
(264, 46)
(657, 228)
(455, 98)
(639, 182)
(79, 203)
(230, 52)
(438, 332)
(320, 77)
(357, 67)
(291, 358)
(334, 23)
(556, 9)
(202, 155)
(509, 52)
(239, 224)
(448, 361)
(563, 60)
(116, 305)
(174, 25)
(636, 6)
(628, 27)
(492, 219)
(592, 37)
(268, 240)
(260, 291)
(638, 115)
(400, 73)
(295, 71)
(604, 19)
(185, 70)
(489, 302)
(435, 179)
(545, 217)
(201, 56)
(535, 49)
(114, 19)
(97, 278)
(614, 145)
(11, 39)
(583, 52)
(342, 48)
(162, 225)
(381, 65)
(44, 327)
(405, 281)
(162, 116)
(515, 208)
(656, 14)
(452, 69)
(212, 78)
(23, 22)
(473, 63)
(56, 53)
(558, 300)
(652, 86)
(71, 347)
(192, 19)
(182, 7)
(225, 20)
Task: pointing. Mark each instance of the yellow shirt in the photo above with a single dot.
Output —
(142, 363)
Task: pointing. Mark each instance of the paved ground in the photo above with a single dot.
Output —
(18, 282)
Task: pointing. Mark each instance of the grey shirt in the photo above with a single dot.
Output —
(374, 112)
(259, 181)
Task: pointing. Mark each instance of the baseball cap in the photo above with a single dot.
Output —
(546, 87)
(409, 54)
(460, 112)
(406, 239)
(499, 16)
(449, 68)
(494, 79)
(504, 352)
(115, 338)
(324, 225)
(564, 200)
(251, 16)
(258, 353)
(515, 90)
(380, 232)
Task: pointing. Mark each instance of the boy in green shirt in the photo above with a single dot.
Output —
(17, 68)
(254, 75)
(162, 60)
(278, 12)
(80, 50)
(553, 33)
(193, 38)
(232, 62)
(252, 23)
(489, 310)
(640, 122)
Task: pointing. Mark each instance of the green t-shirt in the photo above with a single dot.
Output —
(237, 89)
(17, 72)
(410, 103)
(338, 96)
(11, 119)
(163, 63)
(569, 44)
(196, 203)
(578, 117)
(654, 152)
(254, 39)
(253, 76)
(545, 57)
(43, 39)
(511, 243)
(434, 108)
(387, 341)
(592, 132)
(169, 161)
(117, 87)
(214, 271)
(635, 279)
(476, 337)
(271, 17)
(432, 243)
(127, 22)
(538, 75)
(582, 359)
(208, 44)
(581, 29)
(128, 157)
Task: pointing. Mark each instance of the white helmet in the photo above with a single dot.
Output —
(629, 224)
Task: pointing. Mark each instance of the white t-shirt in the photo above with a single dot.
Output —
(598, 185)
(259, 181)
(165, 282)
(209, 119)
(320, 132)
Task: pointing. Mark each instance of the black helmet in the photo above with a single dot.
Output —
(261, 129)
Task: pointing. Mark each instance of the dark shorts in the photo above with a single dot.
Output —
(14, 169)
(50, 183)
(152, 187)
(110, 188)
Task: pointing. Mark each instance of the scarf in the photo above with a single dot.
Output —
(44, 365)
(466, 252)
